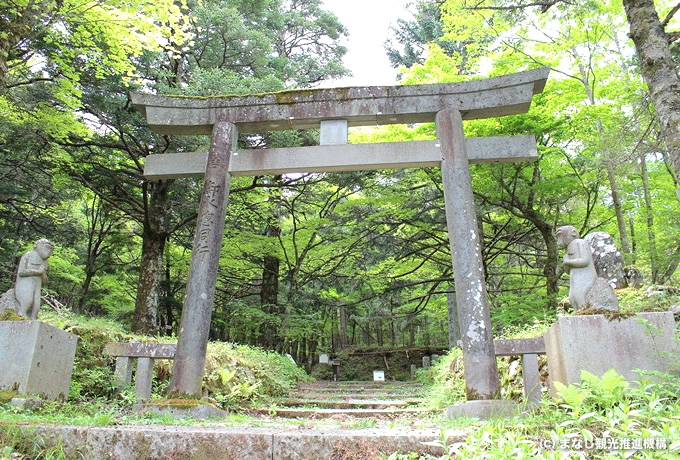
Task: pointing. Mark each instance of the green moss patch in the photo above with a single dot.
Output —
(609, 314)
(10, 315)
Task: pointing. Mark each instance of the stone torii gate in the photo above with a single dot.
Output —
(333, 111)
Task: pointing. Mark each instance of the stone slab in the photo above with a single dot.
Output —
(359, 413)
(348, 403)
(331, 444)
(141, 349)
(200, 411)
(360, 106)
(201, 443)
(513, 347)
(159, 442)
(338, 158)
(484, 409)
(333, 132)
(596, 344)
(26, 403)
(36, 358)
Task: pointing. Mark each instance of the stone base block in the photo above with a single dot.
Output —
(596, 344)
(483, 409)
(36, 358)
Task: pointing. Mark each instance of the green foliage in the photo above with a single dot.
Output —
(446, 379)
(593, 394)
(21, 442)
(593, 412)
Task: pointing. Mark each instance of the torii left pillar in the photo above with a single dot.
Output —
(189, 363)
(481, 371)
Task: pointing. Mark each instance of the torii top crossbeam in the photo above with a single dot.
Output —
(360, 106)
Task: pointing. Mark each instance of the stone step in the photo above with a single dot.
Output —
(293, 412)
(348, 403)
(142, 442)
(344, 396)
(359, 383)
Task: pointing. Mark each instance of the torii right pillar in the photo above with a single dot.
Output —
(481, 371)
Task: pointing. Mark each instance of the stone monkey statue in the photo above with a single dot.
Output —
(32, 274)
(585, 287)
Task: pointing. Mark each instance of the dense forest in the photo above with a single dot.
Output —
(327, 261)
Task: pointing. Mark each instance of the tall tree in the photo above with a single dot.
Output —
(653, 46)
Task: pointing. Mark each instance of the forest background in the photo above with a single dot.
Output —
(320, 262)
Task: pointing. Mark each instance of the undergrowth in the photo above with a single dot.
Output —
(599, 418)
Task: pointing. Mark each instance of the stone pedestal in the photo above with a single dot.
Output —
(36, 358)
(595, 343)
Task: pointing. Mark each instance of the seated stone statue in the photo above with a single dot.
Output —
(586, 289)
(32, 273)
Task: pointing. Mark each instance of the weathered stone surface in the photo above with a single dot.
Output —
(336, 158)
(141, 349)
(159, 442)
(633, 276)
(200, 443)
(31, 275)
(607, 258)
(675, 309)
(36, 358)
(481, 371)
(514, 347)
(360, 106)
(296, 445)
(295, 412)
(602, 296)
(483, 409)
(333, 132)
(192, 344)
(531, 379)
(8, 301)
(199, 411)
(26, 403)
(585, 289)
(529, 349)
(596, 344)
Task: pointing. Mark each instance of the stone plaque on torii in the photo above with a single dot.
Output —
(333, 111)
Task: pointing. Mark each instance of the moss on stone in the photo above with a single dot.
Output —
(177, 403)
(609, 314)
(7, 395)
(10, 315)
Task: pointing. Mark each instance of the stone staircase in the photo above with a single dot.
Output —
(352, 398)
(320, 420)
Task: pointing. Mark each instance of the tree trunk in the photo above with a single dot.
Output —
(616, 201)
(343, 326)
(454, 325)
(145, 319)
(426, 331)
(651, 236)
(269, 293)
(660, 73)
(154, 234)
(550, 267)
(631, 224)
(85, 288)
